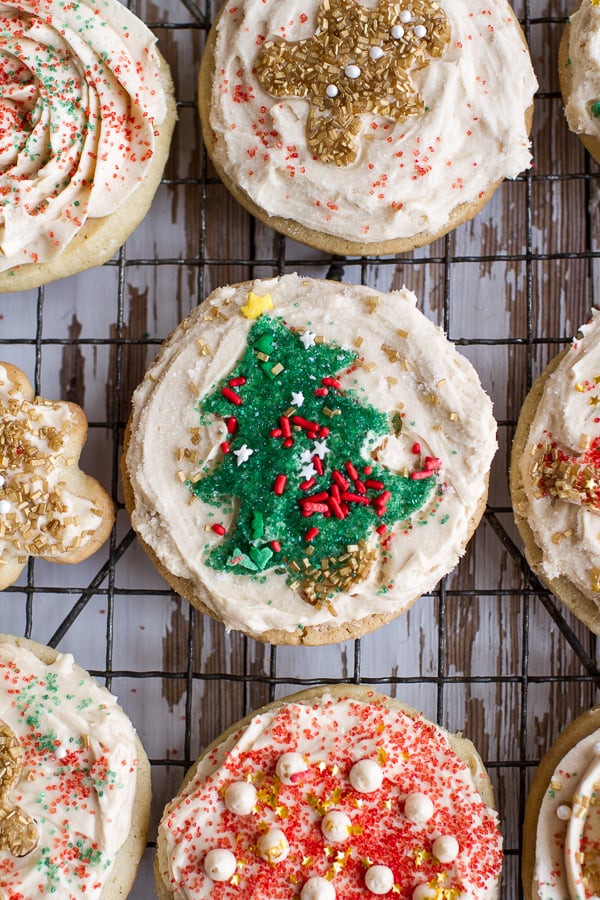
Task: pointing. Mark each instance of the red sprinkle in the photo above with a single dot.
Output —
(279, 486)
(219, 529)
(382, 499)
(381, 529)
(286, 428)
(225, 447)
(304, 423)
(315, 498)
(232, 396)
(306, 485)
(336, 509)
(275, 432)
(419, 476)
(359, 486)
(432, 463)
(309, 508)
(321, 392)
(355, 498)
(324, 431)
(334, 491)
(289, 442)
(350, 469)
(232, 424)
(237, 382)
(275, 546)
(340, 480)
(416, 448)
(331, 382)
(316, 461)
(367, 470)
(374, 485)
(311, 533)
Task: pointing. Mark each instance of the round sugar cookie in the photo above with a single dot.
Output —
(75, 784)
(561, 819)
(332, 792)
(579, 72)
(305, 458)
(555, 476)
(366, 128)
(49, 507)
(86, 137)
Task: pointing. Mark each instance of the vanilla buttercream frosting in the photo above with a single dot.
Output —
(559, 467)
(582, 107)
(445, 124)
(74, 781)
(366, 428)
(375, 847)
(81, 99)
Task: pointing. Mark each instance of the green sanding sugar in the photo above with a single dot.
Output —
(335, 433)
(596, 108)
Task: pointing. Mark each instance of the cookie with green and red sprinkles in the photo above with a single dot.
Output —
(366, 128)
(555, 475)
(579, 71)
(306, 458)
(87, 118)
(74, 782)
(335, 792)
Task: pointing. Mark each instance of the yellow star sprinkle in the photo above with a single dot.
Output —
(256, 305)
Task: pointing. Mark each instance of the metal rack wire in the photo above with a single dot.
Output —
(182, 678)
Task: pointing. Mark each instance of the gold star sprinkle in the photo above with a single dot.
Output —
(256, 305)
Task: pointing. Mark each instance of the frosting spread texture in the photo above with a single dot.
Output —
(583, 102)
(74, 778)
(80, 98)
(377, 130)
(349, 799)
(328, 446)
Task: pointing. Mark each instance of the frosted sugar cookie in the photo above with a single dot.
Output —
(562, 827)
(87, 114)
(49, 508)
(555, 475)
(366, 127)
(334, 792)
(306, 458)
(75, 785)
(579, 70)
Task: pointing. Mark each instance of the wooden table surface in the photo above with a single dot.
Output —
(489, 652)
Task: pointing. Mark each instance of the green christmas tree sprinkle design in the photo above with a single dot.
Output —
(311, 499)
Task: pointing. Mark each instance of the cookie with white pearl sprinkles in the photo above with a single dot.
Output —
(366, 127)
(87, 113)
(579, 71)
(49, 507)
(423, 828)
(74, 782)
(561, 831)
(305, 458)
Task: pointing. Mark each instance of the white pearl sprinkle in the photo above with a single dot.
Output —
(240, 798)
(290, 766)
(273, 846)
(423, 892)
(317, 888)
(332, 90)
(377, 52)
(352, 71)
(60, 752)
(563, 812)
(366, 776)
(336, 826)
(4, 506)
(420, 31)
(418, 808)
(220, 864)
(397, 32)
(445, 848)
(379, 879)
(405, 16)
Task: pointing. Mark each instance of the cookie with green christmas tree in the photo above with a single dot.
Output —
(304, 458)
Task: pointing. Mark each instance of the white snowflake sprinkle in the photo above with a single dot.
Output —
(307, 472)
(320, 449)
(297, 399)
(306, 457)
(243, 454)
(308, 339)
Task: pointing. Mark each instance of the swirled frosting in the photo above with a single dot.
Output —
(405, 175)
(76, 777)
(330, 838)
(560, 466)
(80, 99)
(583, 102)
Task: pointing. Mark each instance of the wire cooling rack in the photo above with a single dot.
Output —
(490, 652)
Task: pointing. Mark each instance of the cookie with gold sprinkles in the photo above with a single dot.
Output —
(305, 458)
(562, 827)
(366, 128)
(579, 71)
(86, 130)
(555, 475)
(74, 782)
(49, 508)
(333, 792)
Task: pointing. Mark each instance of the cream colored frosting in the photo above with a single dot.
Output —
(80, 97)
(567, 529)
(39, 514)
(380, 844)
(78, 776)
(583, 103)
(409, 368)
(409, 176)
(568, 829)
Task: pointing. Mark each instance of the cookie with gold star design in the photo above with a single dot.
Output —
(555, 475)
(306, 458)
(366, 129)
(333, 792)
(579, 71)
